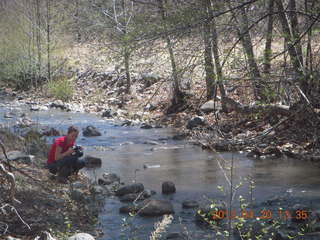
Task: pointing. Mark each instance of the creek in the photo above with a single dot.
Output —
(196, 173)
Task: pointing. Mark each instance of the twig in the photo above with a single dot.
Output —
(13, 209)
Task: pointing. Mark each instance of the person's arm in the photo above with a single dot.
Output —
(58, 155)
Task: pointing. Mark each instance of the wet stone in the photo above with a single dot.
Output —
(190, 204)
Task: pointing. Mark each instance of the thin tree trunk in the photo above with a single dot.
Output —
(244, 34)
(48, 42)
(269, 35)
(292, 15)
(215, 41)
(38, 39)
(176, 86)
(294, 57)
(208, 61)
(127, 68)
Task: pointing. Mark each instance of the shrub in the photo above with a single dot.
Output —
(61, 88)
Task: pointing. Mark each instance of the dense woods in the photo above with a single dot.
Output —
(264, 46)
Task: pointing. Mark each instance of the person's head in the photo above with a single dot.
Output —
(72, 133)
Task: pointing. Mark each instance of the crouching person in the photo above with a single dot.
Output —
(63, 157)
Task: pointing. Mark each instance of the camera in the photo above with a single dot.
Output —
(77, 151)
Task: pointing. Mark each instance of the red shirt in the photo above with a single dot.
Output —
(61, 142)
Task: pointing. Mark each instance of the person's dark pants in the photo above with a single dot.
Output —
(66, 166)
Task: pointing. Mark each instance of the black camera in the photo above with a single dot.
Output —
(77, 151)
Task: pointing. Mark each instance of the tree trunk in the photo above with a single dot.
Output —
(244, 34)
(127, 69)
(208, 61)
(48, 42)
(38, 39)
(297, 65)
(269, 35)
(292, 16)
(218, 67)
(177, 94)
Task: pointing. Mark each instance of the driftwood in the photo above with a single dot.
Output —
(276, 109)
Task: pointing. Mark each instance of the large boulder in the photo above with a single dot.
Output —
(154, 208)
(168, 187)
(81, 236)
(133, 188)
(20, 157)
(210, 106)
(91, 131)
(195, 122)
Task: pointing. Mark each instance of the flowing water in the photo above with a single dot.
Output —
(195, 172)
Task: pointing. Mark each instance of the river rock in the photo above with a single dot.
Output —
(131, 197)
(176, 236)
(210, 106)
(91, 131)
(50, 132)
(91, 161)
(110, 178)
(81, 236)
(195, 122)
(155, 208)
(168, 187)
(190, 204)
(133, 188)
(108, 113)
(99, 190)
(58, 104)
(8, 115)
(20, 157)
(38, 108)
(45, 236)
(78, 195)
(128, 209)
(145, 126)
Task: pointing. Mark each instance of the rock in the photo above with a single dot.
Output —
(108, 113)
(38, 108)
(91, 131)
(126, 123)
(155, 208)
(145, 126)
(128, 209)
(8, 115)
(210, 106)
(81, 236)
(99, 190)
(58, 104)
(91, 161)
(180, 136)
(20, 157)
(51, 132)
(176, 236)
(110, 178)
(24, 122)
(131, 197)
(12, 238)
(195, 122)
(79, 185)
(133, 188)
(168, 187)
(78, 195)
(190, 204)
(148, 79)
(45, 236)
(150, 107)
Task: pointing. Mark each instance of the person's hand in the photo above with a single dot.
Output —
(69, 151)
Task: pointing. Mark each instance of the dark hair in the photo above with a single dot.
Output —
(72, 129)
